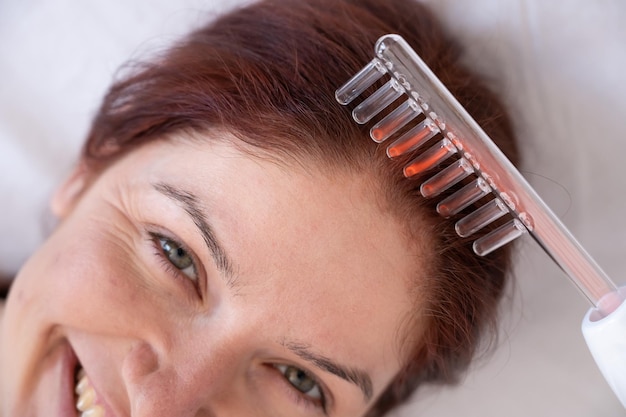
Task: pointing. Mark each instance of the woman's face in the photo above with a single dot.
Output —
(194, 280)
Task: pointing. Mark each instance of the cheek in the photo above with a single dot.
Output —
(81, 275)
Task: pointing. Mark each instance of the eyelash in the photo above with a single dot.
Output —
(301, 398)
(167, 265)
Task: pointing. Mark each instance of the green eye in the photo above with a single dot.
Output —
(178, 257)
(300, 381)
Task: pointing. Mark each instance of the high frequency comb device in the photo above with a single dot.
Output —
(446, 146)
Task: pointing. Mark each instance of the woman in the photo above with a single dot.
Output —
(230, 243)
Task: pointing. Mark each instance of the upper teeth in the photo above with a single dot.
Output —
(86, 402)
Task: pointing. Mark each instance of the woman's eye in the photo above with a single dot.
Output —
(178, 256)
(301, 381)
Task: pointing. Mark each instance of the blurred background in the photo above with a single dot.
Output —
(558, 65)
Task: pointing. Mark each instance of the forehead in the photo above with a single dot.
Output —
(316, 255)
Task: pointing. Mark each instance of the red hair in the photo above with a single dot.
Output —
(267, 74)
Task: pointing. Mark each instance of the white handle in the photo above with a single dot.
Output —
(606, 339)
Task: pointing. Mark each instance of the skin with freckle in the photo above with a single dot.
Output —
(151, 345)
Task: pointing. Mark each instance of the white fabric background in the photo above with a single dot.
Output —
(559, 66)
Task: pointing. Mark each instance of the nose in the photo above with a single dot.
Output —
(158, 386)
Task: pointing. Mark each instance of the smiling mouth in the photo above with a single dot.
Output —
(85, 397)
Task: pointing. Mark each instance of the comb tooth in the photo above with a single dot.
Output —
(395, 120)
(446, 178)
(499, 237)
(430, 158)
(363, 79)
(413, 139)
(467, 195)
(480, 218)
(381, 98)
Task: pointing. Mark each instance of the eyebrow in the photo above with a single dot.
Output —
(355, 376)
(190, 203)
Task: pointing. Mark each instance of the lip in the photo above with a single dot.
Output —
(100, 398)
(68, 363)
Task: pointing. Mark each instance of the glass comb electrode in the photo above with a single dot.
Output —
(449, 148)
